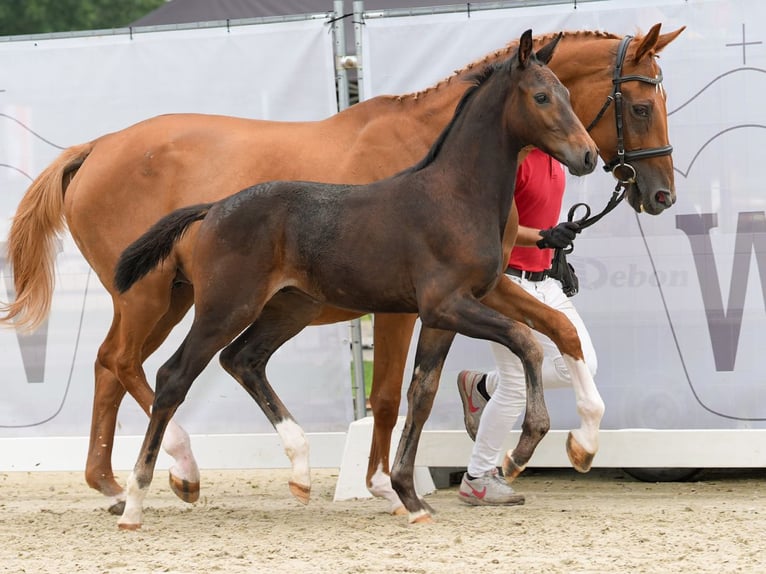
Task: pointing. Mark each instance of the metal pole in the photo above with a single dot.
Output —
(358, 23)
(342, 61)
(360, 401)
(341, 75)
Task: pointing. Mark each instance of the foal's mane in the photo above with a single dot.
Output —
(493, 57)
(477, 79)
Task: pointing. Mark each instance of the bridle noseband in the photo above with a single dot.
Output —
(620, 166)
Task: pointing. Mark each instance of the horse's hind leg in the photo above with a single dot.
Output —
(132, 337)
(512, 301)
(98, 466)
(392, 335)
(284, 316)
(433, 345)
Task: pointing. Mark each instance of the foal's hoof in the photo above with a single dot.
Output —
(128, 526)
(184, 489)
(117, 508)
(300, 491)
(580, 458)
(510, 469)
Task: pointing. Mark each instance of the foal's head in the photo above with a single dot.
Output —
(539, 110)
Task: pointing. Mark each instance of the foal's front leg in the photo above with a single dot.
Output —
(472, 318)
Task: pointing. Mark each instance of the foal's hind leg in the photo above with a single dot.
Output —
(285, 315)
(392, 333)
(208, 334)
(183, 474)
(512, 301)
(132, 337)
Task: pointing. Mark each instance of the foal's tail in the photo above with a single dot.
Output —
(32, 241)
(154, 246)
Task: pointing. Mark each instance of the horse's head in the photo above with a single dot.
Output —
(541, 113)
(631, 123)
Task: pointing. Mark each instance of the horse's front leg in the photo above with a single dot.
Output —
(582, 443)
(512, 301)
(392, 335)
(433, 345)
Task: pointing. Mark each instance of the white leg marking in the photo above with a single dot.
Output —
(112, 500)
(590, 405)
(134, 503)
(381, 487)
(297, 449)
(177, 444)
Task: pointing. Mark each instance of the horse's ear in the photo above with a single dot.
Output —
(666, 39)
(525, 48)
(655, 42)
(545, 53)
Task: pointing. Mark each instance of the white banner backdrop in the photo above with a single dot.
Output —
(59, 92)
(676, 304)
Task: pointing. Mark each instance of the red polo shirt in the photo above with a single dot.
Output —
(540, 184)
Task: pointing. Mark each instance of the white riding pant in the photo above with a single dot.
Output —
(507, 385)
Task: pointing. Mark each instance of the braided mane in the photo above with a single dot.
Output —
(505, 52)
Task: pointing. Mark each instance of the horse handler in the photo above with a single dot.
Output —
(540, 185)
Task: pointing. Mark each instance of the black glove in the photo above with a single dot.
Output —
(560, 236)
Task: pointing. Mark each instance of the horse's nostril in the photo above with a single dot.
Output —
(663, 198)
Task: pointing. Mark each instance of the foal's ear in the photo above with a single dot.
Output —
(545, 53)
(525, 48)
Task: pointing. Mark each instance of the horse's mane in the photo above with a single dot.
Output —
(492, 57)
(477, 79)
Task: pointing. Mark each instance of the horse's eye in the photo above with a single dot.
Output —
(541, 98)
(641, 111)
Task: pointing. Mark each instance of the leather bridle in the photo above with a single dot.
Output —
(620, 167)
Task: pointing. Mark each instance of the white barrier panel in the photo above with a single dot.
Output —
(676, 304)
(63, 91)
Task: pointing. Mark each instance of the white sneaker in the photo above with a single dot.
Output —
(490, 489)
(473, 401)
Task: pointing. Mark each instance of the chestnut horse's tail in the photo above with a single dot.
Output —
(32, 241)
(154, 246)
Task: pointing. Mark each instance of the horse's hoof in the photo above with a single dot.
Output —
(300, 491)
(399, 511)
(128, 526)
(510, 469)
(421, 517)
(580, 458)
(184, 489)
(117, 508)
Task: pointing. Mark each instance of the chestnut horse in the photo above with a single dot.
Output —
(154, 167)
(438, 225)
